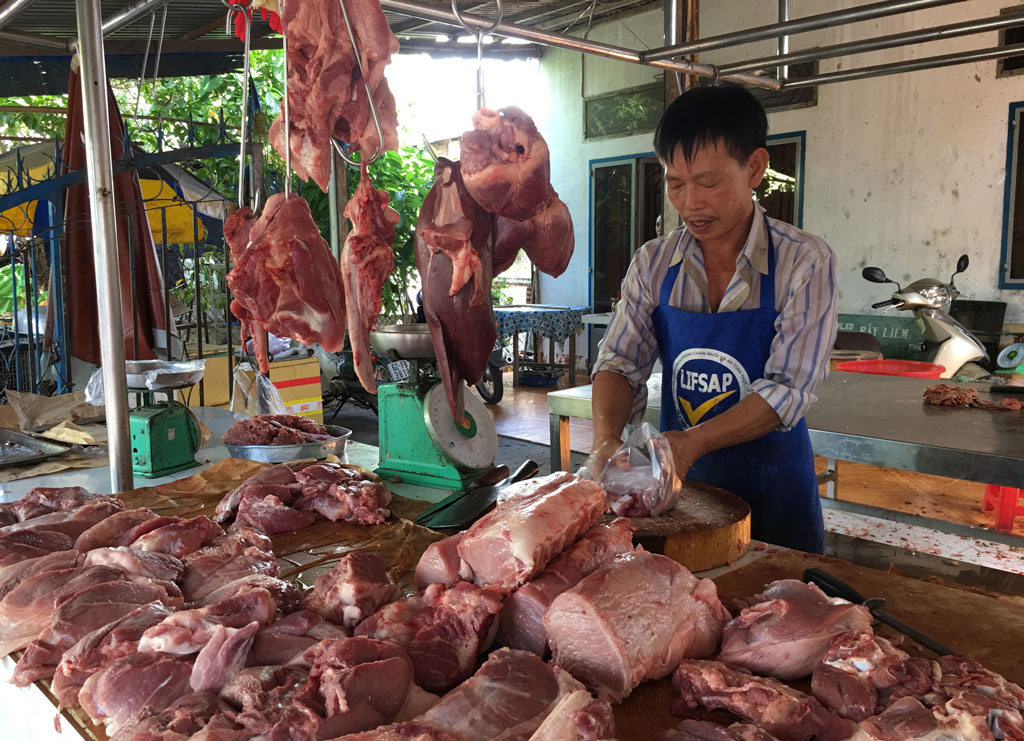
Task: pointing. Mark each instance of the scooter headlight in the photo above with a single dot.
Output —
(935, 296)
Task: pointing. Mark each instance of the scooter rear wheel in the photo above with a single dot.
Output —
(491, 387)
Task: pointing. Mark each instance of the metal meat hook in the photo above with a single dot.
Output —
(480, 33)
(245, 8)
(369, 98)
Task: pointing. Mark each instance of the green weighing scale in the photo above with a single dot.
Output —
(420, 441)
(165, 434)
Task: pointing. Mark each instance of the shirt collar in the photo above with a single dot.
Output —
(754, 252)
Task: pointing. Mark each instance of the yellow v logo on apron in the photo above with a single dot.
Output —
(695, 415)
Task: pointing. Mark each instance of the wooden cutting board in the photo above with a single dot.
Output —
(709, 527)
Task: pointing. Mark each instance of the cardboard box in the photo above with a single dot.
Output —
(216, 379)
(299, 383)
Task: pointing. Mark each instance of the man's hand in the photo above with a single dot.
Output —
(602, 451)
(687, 447)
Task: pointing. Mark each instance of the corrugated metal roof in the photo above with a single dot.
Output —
(185, 17)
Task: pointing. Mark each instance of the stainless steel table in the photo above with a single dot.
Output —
(879, 420)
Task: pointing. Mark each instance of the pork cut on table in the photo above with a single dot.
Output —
(22, 545)
(43, 500)
(522, 619)
(577, 717)
(326, 94)
(635, 618)
(286, 596)
(509, 697)
(277, 480)
(285, 279)
(862, 673)
(441, 564)
(367, 260)
(79, 614)
(353, 590)
(129, 688)
(782, 711)
(702, 730)
(186, 716)
(785, 637)
(462, 327)
(253, 688)
(13, 575)
(160, 567)
(179, 538)
(443, 630)
(223, 656)
(338, 492)
(103, 646)
(222, 562)
(70, 522)
(188, 631)
(29, 608)
(538, 519)
(285, 640)
(119, 529)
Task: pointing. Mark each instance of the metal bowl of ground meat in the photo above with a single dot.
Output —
(279, 438)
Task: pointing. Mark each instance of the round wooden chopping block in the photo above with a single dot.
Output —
(709, 527)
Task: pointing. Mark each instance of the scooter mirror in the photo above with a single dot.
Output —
(962, 263)
(875, 275)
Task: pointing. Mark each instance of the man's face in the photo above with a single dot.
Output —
(712, 192)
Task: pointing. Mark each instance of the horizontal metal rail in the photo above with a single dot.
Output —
(800, 25)
(935, 33)
(562, 41)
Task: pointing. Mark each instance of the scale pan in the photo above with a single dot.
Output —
(404, 342)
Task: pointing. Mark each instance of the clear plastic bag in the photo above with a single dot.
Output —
(640, 478)
(253, 393)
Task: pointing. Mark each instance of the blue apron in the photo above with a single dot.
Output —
(709, 362)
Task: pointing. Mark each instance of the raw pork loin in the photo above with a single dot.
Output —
(440, 564)
(353, 590)
(633, 619)
(326, 94)
(284, 641)
(782, 711)
(536, 521)
(522, 620)
(284, 278)
(444, 630)
(788, 629)
(462, 327)
(509, 697)
(367, 261)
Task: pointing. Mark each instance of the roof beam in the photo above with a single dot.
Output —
(12, 9)
(198, 33)
(525, 17)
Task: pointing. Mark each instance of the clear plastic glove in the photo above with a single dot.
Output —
(593, 467)
(640, 478)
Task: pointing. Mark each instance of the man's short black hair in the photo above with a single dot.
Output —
(704, 115)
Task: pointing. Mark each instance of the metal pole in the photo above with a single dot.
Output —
(673, 33)
(12, 9)
(104, 241)
(945, 60)
(810, 23)
(129, 13)
(562, 41)
(35, 40)
(935, 33)
(784, 39)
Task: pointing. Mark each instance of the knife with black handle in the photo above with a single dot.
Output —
(479, 501)
(833, 586)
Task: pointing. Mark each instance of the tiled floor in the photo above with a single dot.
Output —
(522, 414)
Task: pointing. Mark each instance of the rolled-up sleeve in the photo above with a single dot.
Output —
(629, 346)
(805, 331)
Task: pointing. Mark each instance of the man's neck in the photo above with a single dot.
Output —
(721, 253)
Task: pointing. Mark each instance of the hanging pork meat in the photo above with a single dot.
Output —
(366, 262)
(326, 94)
(461, 325)
(506, 168)
(284, 278)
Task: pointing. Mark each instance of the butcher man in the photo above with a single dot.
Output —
(741, 310)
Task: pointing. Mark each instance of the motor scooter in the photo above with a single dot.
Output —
(954, 347)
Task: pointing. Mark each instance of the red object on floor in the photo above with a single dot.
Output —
(1005, 501)
(906, 368)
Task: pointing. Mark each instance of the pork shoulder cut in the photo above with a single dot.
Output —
(633, 619)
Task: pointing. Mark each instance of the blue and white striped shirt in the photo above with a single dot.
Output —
(805, 298)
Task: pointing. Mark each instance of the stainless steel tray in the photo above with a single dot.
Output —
(17, 449)
(284, 453)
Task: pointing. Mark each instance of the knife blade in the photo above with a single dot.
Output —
(492, 478)
(479, 501)
(833, 586)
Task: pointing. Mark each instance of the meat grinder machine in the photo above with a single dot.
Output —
(420, 442)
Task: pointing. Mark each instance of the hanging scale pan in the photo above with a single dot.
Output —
(1011, 356)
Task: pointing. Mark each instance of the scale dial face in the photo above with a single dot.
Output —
(473, 446)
